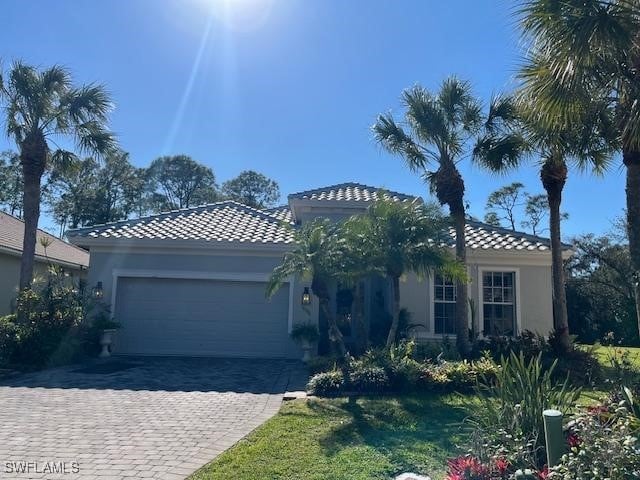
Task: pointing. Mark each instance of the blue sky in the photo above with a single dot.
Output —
(289, 88)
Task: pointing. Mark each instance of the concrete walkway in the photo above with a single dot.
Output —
(160, 418)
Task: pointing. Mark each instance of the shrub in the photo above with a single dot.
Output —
(603, 445)
(509, 420)
(49, 326)
(368, 379)
(305, 332)
(396, 370)
(326, 383)
(580, 365)
(323, 363)
(9, 338)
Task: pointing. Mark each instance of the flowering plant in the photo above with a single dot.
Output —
(602, 444)
(469, 467)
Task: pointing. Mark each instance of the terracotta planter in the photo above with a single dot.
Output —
(106, 339)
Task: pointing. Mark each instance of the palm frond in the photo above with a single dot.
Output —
(92, 137)
(500, 154)
(394, 139)
(425, 116)
(55, 79)
(89, 102)
(62, 160)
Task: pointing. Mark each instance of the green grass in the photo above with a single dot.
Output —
(369, 438)
(604, 354)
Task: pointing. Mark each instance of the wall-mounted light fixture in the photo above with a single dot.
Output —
(306, 297)
(97, 291)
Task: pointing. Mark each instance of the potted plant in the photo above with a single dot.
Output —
(306, 334)
(107, 327)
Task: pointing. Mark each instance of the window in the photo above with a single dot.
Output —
(499, 303)
(444, 306)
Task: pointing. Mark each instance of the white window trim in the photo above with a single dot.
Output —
(195, 275)
(518, 312)
(432, 308)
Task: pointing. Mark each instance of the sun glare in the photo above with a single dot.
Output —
(241, 15)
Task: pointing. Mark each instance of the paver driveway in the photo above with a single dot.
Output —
(159, 418)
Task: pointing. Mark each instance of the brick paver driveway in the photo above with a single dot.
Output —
(159, 418)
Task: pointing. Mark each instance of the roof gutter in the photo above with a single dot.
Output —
(168, 243)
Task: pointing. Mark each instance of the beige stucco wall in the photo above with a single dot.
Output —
(534, 293)
(10, 277)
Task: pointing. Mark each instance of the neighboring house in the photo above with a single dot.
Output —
(192, 281)
(72, 259)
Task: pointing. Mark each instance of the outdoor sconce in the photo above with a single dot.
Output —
(306, 296)
(97, 291)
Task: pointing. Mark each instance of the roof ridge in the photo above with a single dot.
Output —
(350, 184)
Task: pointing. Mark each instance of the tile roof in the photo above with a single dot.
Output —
(350, 192)
(12, 236)
(230, 221)
(226, 221)
(282, 213)
(481, 236)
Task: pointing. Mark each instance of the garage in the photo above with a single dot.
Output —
(201, 317)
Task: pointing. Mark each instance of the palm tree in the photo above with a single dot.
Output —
(586, 146)
(42, 107)
(434, 137)
(583, 50)
(317, 255)
(396, 238)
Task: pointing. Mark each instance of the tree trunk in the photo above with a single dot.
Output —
(554, 177)
(631, 160)
(363, 333)
(335, 335)
(321, 290)
(393, 331)
(33, 156)
(462, 295)
(449, 188)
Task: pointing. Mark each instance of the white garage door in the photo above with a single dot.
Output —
(201, 318)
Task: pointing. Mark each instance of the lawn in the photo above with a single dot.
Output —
(604, 354)
(369, 438)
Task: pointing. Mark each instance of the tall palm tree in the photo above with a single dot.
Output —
(583, 50)
(396, 238)
(435, 135)
(317, 255)
(586, 146)
(43, 107)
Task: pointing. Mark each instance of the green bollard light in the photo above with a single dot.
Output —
(553, 436)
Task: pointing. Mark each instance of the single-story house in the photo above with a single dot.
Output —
(192, 281)
(72, 259)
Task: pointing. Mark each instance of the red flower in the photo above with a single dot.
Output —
(502, 465)
(597, 410)
(573, 440)
(462, 468)
(454, 476)
(544, 473)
